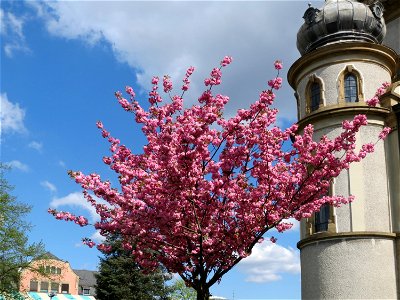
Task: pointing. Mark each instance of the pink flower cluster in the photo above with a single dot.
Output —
(275, 83)
(167, 83)
(67, 216)
(88, 242)
(186, 80)
(381, 90)
(278, 65)
(226, 61)
(207, 188)
(104, 248)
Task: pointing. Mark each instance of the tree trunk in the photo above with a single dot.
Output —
(203, 293)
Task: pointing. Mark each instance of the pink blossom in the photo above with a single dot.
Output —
(88, 242)
(275, 83)
(104, 248)
(154, 80)
(226, 61)
(278, 65)
(130, 91)
(99, 125)
(167, 83)
(385, 132)
(373, 101)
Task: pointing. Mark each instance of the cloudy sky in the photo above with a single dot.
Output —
(61, 63)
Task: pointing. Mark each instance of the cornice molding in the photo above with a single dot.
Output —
(327, 236)
(344, 109)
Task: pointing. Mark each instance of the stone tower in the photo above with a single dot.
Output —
(347, 51)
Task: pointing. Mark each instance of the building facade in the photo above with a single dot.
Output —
(57, 278)
(348, 49)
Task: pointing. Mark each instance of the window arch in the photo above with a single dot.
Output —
(314, 94)
(350, 86)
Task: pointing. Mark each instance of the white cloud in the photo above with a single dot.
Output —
(12, 116)
(97, 237)
(75, 200)
(49, 186)
(16, 164)
(12, 33)
(36, 145)
(147, 37)
(62, 164)
(268, 261)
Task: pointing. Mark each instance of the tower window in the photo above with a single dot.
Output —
(315, 96)
(350, 88)
(322, 218)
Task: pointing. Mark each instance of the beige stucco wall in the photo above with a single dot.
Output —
(357, 268)
(367, 180)
(67, 275)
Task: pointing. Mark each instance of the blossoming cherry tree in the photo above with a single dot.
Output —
(207, 189)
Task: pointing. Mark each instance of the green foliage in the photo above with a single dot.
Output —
(182, 292)
(13, 295)
(121, 278)
(15, 251)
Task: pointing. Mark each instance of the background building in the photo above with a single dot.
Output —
(57, 278)
(347, 52)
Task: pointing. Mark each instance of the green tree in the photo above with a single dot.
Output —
(121, 278)
(15, 250)
(182, 292)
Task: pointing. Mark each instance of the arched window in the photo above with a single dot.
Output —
(322, 218)
(315, 93)
(350, 88)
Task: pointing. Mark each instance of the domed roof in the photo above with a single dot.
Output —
(341, 20)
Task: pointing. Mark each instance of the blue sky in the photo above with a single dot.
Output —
(61, 63)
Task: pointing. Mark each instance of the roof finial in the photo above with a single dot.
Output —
(309, 4)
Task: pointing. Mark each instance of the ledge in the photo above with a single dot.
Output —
(345, 109)
(326, 236)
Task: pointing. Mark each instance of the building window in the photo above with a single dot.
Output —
(350, 88)
(86, 292)
(315, 96)
(44, 286)
(322, 218)
(52, 270)
(65, 288)
(54, 287)
(33, 286)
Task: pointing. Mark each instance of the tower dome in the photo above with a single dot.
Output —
(341, 20)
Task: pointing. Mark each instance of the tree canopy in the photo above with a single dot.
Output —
(15, 250)
(207, 188)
